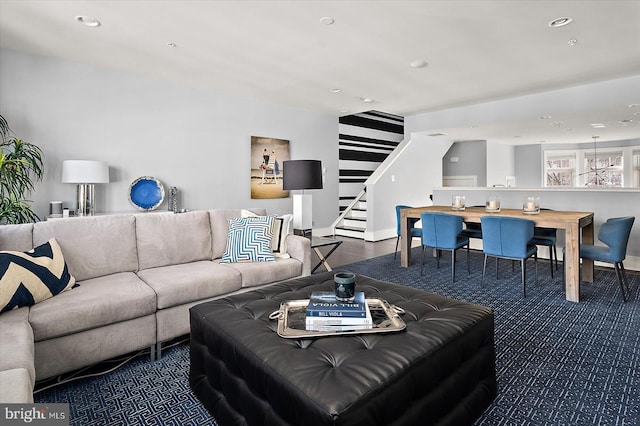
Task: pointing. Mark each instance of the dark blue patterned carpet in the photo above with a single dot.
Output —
(558, 363)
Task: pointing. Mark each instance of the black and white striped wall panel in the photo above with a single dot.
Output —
(366, 139)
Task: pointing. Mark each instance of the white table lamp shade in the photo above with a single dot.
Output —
(85, 171)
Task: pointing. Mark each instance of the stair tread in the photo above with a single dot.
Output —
(350, 228)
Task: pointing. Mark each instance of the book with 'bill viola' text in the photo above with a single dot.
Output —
(325, 304)
(334, 316)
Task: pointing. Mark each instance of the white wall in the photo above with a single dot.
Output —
(408, 176)
(196, 140)
(528, 163)
(500, 163)
(469, 161)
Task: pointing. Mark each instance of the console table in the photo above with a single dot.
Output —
(573, 223)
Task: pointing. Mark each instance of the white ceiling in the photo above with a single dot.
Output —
(280, 51)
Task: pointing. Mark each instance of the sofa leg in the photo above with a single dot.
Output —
(155, 351)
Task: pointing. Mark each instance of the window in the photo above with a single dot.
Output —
(560, 169)
(603, 169)
(607, 166)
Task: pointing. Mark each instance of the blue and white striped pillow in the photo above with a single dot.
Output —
(249, 240)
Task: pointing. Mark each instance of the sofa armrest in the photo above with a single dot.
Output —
(299, 248)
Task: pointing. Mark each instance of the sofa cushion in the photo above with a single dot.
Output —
(16, 237)
(170, 239)
(179, 284)
(16, 342)
(249, 239)
(258, 273)
(27, 278)
(16, 387)
(220, 227)
(93, 246)
(97, 302)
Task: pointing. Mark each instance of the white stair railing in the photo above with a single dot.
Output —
(347, 210)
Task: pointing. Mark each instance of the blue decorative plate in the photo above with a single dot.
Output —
(146, 193)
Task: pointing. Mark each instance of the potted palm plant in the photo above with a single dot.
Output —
(21, 168)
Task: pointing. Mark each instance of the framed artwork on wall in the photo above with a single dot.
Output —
(267, 155)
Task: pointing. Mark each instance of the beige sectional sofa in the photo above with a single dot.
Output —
(139, 274)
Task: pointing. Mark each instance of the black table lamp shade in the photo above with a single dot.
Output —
(302, 174)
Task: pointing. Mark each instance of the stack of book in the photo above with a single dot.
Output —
(325, 313)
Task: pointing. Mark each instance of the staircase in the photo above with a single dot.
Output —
(352, 222)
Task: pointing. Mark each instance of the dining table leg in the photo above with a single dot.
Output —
(572, 262)
(405, 241)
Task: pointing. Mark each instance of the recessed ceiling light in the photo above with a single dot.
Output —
(88, 21)
(365, 100)
(572, 42)
(418, 63)
(598, 125)
(327, 20)
(335, 90)
(625, 121)
(560, 22)
(545, 117)
(634, 105)
(171, 45)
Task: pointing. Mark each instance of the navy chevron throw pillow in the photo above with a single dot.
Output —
(27, 278)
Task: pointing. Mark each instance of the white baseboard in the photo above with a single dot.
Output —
(380, 235)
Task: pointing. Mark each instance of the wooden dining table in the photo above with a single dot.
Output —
(576, 225)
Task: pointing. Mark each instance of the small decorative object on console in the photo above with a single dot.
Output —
(146, 193)
(173, 199)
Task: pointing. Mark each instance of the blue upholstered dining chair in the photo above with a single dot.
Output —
(442, 232)
(508, 238)
(547, 237)
(415, 232)
(615, 234)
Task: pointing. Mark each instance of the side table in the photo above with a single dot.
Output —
(316, 243)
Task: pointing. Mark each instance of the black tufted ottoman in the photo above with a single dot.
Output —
(440, 370)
